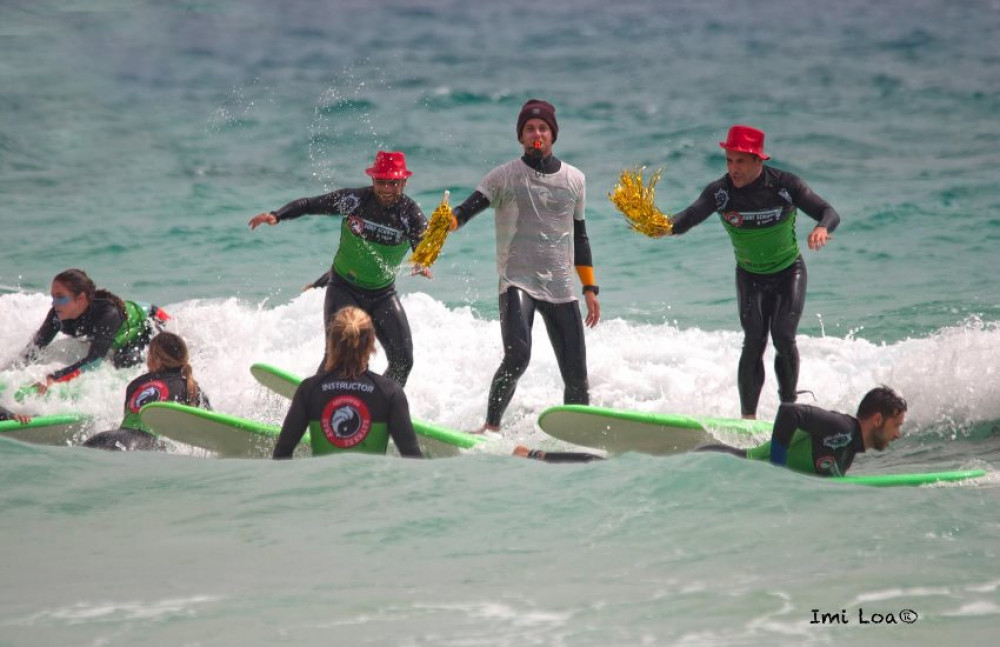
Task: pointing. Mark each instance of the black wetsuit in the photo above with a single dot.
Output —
(563, 321)
(6, 414)
(100, 323)
(819, 441)
(770, 273)
(373, 241)
(348, 415)
(163, 386)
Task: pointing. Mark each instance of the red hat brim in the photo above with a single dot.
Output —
(742, 149)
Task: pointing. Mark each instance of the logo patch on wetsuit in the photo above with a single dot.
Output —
(827, 465)
(356, 224)
(721, 199)
(837, 441)
(155, 391)
(348, 203)
(374, 232)
(346, 421)
(733, 218)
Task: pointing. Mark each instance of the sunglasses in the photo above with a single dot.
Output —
(61, 301)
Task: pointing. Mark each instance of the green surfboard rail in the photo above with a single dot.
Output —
(925, 478)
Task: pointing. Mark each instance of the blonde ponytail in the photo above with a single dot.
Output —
(350, 342)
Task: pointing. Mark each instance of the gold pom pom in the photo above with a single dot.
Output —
(635, 202)
(437, 230)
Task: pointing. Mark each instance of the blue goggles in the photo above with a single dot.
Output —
(61, 301)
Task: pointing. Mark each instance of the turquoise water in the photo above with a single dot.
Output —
(138, 138)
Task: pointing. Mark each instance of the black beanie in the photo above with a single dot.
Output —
(538, 109)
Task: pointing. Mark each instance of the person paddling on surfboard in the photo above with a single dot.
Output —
(757, 205)
(346, 407)
(7, 414)
(121, 329)
(816, 441)
(379, 227)
(170, 379)
(540, 237)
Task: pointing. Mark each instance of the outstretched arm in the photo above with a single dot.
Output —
(695, 214)
(473, 205)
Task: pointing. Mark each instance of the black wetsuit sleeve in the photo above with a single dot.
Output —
(203, 401)
(416, 223)
(327, 204)
(473, 205)
(105, 326)
(6, 414)
(294, 426)
(581, 245)
(696, 213)
(401, 426)
(814, 206)
(43, 337)
(789, 418)
(322, 281)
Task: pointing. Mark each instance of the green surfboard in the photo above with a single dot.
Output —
(435, 441)
(45, 430)
(618, 431)
(222, 435)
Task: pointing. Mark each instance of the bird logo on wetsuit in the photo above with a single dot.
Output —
(346, 421)
(155, 391)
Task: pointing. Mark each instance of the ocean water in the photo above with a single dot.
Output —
(138, 138)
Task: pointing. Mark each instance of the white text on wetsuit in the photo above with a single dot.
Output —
(348, 386)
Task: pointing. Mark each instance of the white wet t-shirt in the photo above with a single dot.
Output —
(534, 227)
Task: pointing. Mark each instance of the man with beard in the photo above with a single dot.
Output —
(816, 441)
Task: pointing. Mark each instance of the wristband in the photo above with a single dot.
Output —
(779, 453)
(592, 288)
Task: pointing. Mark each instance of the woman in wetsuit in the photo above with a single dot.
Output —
(346, 407)
(380, 225)
(121, 329)
(170, 379)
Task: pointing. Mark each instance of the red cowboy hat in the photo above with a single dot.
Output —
(389, 166)
(745, 139)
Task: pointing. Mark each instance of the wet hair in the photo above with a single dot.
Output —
(170, 351)
(882, 400)
(77, 282)
(350, 342)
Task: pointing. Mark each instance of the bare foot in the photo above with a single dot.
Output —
(486, 427)
(749, 416)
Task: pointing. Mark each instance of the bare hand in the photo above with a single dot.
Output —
(593, 309)
(262, 218)
(22, 418)
(41, 387)
(818, 237)
(422, 271)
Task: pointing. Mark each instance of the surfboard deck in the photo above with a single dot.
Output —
(617, 431)
(435, 441)
(222, 435)
(45, 430)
